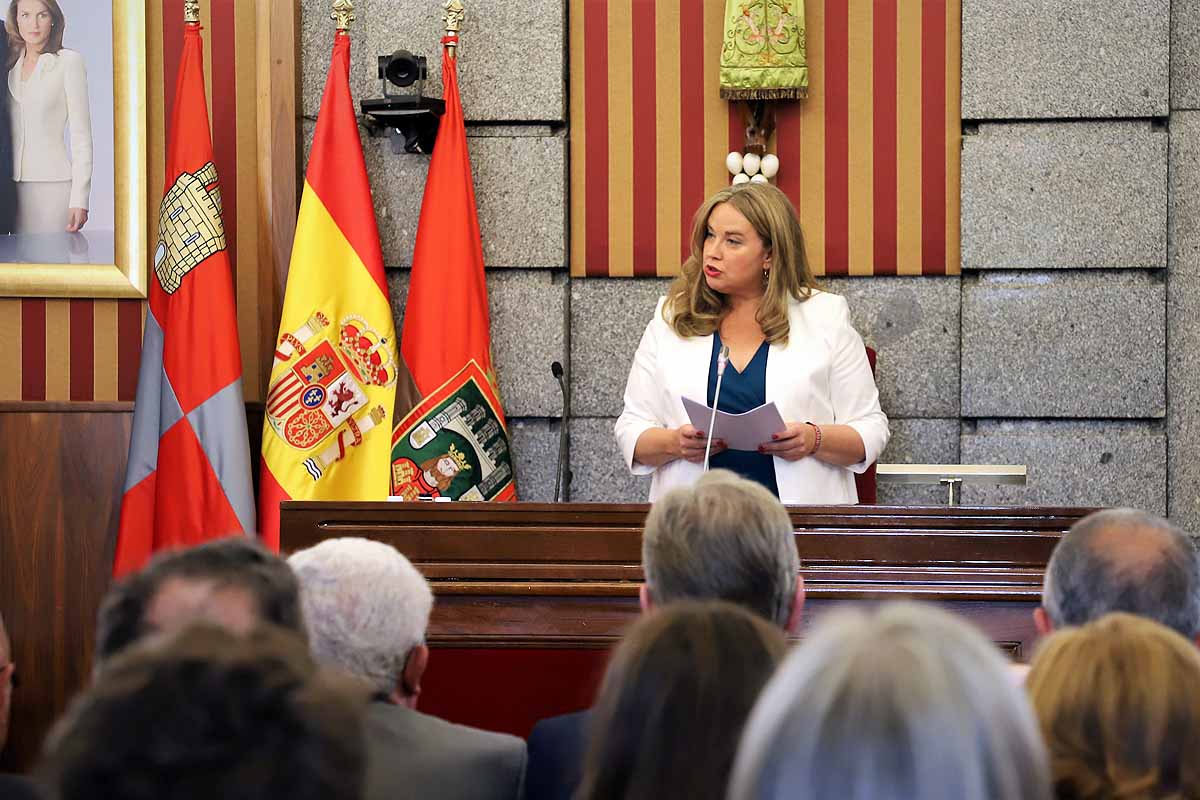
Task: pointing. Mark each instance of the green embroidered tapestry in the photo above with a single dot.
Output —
(763, 56)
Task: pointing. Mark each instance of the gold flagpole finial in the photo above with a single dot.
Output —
(454, 17)
(191, 10)
(342, 14)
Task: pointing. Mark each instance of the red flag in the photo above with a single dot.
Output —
(455, 442)
(188, 475)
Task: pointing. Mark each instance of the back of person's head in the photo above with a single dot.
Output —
(1123, 560)
(674, 699)
(1119, 704)
(202, 713)
(722, 538)
(906, 702)
(232, 582)
(366, 607)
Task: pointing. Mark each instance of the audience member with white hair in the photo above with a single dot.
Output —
(367, 608)
(906, 702)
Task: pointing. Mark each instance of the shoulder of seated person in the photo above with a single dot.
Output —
(483, 739)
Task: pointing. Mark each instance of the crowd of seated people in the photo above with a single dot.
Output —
(226, 671)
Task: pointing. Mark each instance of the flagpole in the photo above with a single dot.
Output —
(455, 12)
(342, 14)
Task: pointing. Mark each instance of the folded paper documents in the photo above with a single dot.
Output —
(745, 431)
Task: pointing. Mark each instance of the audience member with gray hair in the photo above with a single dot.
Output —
(722, 538)
(1122, 560)
(367, 608)
(906, 702)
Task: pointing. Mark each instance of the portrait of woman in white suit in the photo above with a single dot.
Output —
(48, 96)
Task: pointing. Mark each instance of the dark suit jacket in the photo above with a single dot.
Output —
(557, 746)
(410, 754)
(14, 787)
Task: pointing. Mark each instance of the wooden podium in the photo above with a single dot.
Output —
(530, 596)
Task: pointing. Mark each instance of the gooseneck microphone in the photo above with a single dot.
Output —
(722, 360)
(556, 369)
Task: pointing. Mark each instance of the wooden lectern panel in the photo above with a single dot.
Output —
(530, 596)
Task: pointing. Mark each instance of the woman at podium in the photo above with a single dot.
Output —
(747, 286)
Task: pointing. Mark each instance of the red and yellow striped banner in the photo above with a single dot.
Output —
(871, 159)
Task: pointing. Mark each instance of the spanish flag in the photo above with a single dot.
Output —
(328, 411)
(188, 475)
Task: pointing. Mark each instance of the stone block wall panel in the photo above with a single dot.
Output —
(526, 309)
(918, 441)
(1183, 321)
(1065, 58)
(511, 61)
(1064, 195)
(535, 454)
(1064, 344)
(608, 317)
(1185, 55)
(600, 475)
(913, 324)
(1072, 463)
(520, 189)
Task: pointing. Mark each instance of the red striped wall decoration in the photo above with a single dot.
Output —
(88, 350)
(871, 159)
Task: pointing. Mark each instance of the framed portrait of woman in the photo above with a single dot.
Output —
(73, 149)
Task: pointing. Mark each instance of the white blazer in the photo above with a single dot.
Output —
(41, 108)
(822, 375)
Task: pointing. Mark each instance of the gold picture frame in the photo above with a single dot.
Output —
(127, 276)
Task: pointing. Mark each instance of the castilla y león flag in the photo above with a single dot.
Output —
(188, 475)
(455, 442)
(333, 382)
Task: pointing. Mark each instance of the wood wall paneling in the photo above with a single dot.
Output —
(60, 489)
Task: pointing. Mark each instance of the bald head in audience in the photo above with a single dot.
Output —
(1122, 560)
(234, 583)
(723, 538)
(7, 669)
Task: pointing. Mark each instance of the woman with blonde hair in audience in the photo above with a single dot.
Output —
(1119, 705)
(909, 702)
(673, 702)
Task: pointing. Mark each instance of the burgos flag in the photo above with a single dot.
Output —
(454, 444)
(188, 475)
(333, 381)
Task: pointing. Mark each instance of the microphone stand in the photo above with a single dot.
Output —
(556, 369)
(722, 360)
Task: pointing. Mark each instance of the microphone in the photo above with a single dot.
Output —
(560, 485)
(722, 360)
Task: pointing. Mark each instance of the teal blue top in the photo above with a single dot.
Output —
(742, 391)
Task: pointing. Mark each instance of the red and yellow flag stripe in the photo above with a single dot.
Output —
(871, 159)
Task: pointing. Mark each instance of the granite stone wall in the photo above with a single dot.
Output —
(1068, 343)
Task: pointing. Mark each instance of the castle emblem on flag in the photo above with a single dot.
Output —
(189, 226)
(320, 401)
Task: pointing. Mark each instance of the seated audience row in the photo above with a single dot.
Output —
(225, 671)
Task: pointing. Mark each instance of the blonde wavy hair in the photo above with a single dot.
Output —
(1118, 701)
(693, 309)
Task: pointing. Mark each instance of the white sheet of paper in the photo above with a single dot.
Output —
(745, 431)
